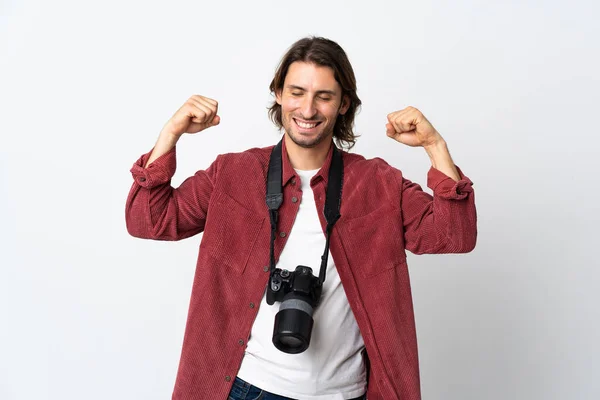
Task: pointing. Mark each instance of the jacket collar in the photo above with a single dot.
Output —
(288, 170)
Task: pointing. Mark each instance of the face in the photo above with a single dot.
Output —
(311, 100)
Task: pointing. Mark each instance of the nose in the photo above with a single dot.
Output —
(308, 108)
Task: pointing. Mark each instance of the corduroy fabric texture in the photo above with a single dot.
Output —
(383, 214)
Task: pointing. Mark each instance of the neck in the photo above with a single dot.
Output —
(306, 159)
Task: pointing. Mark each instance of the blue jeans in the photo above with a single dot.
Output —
(242, 390)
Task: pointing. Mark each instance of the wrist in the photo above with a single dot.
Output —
(169, 137)
(436, 148)
(172, 130)
(166, 141)
(441, 160)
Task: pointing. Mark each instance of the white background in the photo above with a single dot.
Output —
(88, 312)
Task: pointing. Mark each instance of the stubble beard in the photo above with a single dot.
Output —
(307, 143)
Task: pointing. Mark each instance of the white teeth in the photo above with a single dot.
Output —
(305, 125)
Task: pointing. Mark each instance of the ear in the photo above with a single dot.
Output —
(345, 104)
(278, 96)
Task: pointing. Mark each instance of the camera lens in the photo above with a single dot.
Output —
(290, 342)
(293, 324)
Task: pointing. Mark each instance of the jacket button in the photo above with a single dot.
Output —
(227, 378)
(251, 305)
(293, 181)
(266, 268)
(282, 234)
(294, 199)
(241, 342)
(142, 179)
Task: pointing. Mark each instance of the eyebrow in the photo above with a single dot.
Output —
(331, 92)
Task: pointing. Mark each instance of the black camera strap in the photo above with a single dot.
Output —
(333, 199)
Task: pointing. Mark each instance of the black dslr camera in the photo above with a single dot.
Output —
(299, 293)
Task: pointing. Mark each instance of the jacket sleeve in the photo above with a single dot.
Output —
(443, 223)
(156, 210)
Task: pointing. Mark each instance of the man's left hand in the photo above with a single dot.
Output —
(410, 127)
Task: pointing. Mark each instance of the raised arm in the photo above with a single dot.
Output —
(447, 221)
(156, 210)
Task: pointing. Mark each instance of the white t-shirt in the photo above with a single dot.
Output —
(332, 368)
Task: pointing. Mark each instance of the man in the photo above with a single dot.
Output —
(363, 337)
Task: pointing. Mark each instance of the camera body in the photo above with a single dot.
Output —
(299, 293)
(301, 282)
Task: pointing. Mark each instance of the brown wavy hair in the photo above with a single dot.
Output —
(326, 53)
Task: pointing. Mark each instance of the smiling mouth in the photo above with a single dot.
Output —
(306, 125)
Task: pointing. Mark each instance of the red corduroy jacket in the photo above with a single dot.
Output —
(382, 215)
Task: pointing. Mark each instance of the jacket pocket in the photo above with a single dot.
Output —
(374, 243)
(231, 232)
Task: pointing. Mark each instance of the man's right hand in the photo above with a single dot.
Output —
(196, 114)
